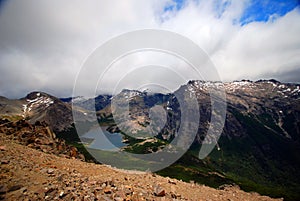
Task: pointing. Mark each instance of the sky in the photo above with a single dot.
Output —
(44, 44)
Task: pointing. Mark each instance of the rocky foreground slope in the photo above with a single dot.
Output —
(29, 174)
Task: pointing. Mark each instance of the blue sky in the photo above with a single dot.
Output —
(256, 10)
(260, 10)
(176, 5)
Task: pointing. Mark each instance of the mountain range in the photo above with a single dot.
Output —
(258, 148)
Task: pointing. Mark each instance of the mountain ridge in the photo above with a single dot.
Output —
(258, 146)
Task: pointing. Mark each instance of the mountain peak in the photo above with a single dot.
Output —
(270, 80)
(36, 94)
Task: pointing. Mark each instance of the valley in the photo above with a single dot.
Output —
(257, 150)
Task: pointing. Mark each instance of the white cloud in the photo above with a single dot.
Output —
(249, 51)
(261, 48)
(44, 43)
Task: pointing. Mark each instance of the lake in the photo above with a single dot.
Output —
(103, 139)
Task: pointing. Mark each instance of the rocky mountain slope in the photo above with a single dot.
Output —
(260, 139)
(39, 106)
(274, 104)
(258, 148)
(259, 144)
(38, 136)
(29, 174)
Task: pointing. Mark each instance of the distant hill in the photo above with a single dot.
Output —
(39, 106)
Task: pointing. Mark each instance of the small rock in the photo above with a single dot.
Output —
(24, 189)
(110, 183)
(171, 182)
(14, 187)
(128, 190)
(61, 194)
(118, 199)
(40, 192)
(3, 189)
(50, 171)
(4, 161)
(69, 188)
(2, 148)
(107, 190)
(159, 191)
(128, 187)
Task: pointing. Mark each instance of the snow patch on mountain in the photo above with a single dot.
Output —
(39, 101)
(78, 99)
